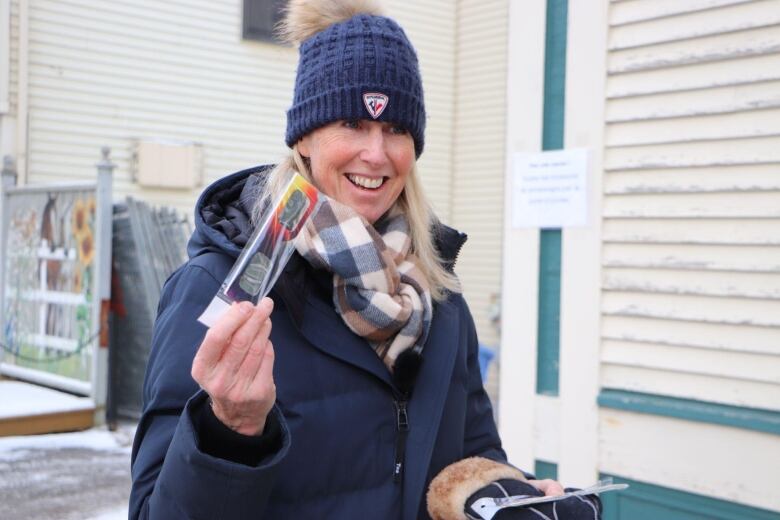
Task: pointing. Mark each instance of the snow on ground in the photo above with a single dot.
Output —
(66, 476)
(115, 514)
(95, 439)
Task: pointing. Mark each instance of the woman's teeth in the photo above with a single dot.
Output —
(370, 183)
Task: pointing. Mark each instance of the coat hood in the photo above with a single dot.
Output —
(223, 224)
(222, 213)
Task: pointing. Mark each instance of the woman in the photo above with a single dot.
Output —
(364, 398)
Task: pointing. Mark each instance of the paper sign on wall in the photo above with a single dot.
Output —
(549, 189)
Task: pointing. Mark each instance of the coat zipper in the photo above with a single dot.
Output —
(402, 425)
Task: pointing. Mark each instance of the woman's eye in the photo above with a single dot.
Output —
(398, 130)
(352, 123)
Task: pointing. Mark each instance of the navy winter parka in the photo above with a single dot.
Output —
(337, 409)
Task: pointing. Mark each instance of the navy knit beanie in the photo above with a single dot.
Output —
(363, 67)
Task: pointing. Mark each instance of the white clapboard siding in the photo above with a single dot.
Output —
(763, 368)
(757, 232)
(13, 60)
(713, 284)
(696, 206)
(749, 393)
(736, 258)
(696, 24)
(746, 70)
(679, 333)
(718, 178)
(632, 12)
(705, 459)
(478, 152)
(719, 100)
(729, 152)
(112, 73)
(697, 50)
(734, 311)
(734, 125)
(691, 209)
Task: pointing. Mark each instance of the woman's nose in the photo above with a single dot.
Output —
(374, 151)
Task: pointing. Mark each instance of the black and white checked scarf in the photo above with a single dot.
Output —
(379, 291)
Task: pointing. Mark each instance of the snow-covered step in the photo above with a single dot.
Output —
(27, 409)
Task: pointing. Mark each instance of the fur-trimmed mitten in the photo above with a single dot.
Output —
(460, 484)
(572, 508)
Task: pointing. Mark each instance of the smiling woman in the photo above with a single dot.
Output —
(365, 398)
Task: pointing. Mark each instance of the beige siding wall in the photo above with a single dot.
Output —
(479, 152)
(13, 58)
(431, 26)
(110, 73)
(691, 253)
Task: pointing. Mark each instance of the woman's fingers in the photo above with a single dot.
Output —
(216, 339)
(263, 383)
(254, 355)
(548, 486)
(243, 338)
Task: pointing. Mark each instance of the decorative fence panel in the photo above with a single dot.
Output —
(55, 258)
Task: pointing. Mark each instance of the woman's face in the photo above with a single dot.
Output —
(363, 164)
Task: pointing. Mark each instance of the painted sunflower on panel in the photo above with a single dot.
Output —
(86, 247)
(79, 219)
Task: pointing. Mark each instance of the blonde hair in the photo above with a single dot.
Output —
(411, 202)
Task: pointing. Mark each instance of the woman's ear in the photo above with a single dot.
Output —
(303, 146)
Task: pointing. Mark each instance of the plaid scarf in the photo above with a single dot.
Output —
(379, 291)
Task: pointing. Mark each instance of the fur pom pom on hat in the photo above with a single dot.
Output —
(305, 18)
(353, 63)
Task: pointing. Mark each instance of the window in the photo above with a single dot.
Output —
(260, 19)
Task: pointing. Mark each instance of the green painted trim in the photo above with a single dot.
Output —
(544, 469)
(643, 501)
(766, 421)
(548, 325)
(555, 74)
(549, 301)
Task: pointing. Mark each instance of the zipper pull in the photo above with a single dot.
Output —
(403, 416)
(402, 424)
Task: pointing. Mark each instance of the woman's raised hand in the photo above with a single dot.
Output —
(234, 365)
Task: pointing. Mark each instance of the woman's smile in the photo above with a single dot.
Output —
(366, 183)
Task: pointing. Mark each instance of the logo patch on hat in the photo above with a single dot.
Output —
(375, 103)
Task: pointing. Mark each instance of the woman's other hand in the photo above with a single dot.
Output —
(550, 488)
(234, 365)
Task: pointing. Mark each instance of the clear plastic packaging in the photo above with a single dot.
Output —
(267, 250)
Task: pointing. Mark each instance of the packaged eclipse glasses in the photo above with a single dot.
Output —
(267, 250)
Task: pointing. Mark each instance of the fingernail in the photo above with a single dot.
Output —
(268, 304)
(245, 307)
